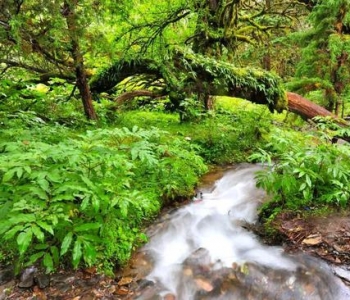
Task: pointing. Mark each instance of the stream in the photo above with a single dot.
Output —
(201, 251)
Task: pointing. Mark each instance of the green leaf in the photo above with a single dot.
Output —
(27, 169)
(33, 258)
(41, 246)
(55, 254)
(38, 192)
(22, 218)
(54, 176)
(66, 242)
(95, 201)
(91, 237)
(89, 253)
(19, 172)
(308, 180)
(44, 184)
(23, 240)
(77, 253)
(45, 226)
(88, 182)
(11, 233)
(302, 186)
(38, 233)
(8, 175)
(48, 262)
(87, 227)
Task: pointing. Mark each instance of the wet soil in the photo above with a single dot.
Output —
(327, 237)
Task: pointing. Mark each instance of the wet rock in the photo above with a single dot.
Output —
(169, 297)
(200, 257)
(144, 283)
(149, 293)
(27, 277)
(42, 280)
(204, 284)
(7, 274)
(342, 273)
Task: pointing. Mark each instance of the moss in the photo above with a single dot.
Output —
(190, 73)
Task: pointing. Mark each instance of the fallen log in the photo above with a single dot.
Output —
(308, 110)
(305, 108)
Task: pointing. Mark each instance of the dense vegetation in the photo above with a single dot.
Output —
(109, 111)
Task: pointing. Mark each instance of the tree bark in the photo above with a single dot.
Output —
(80, 72)
(138, 93)
(305, 108)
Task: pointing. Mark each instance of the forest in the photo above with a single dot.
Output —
(111, 111)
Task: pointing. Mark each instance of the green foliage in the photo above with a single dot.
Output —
(187, 74)
(221, 136)
(71, 201)
(325, 60)
(226, 76)
(304, 172)
(27, 105)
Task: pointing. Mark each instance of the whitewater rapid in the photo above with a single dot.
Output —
(203, 252)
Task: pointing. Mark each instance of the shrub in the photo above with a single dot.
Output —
(304, 172)
(82, 200)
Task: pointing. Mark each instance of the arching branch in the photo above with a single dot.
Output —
(138, 93)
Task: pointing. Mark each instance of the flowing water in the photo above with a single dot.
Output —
(203, 252)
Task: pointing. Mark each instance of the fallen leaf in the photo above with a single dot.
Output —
(312, 240)
(122, 291)
(338, 248)
(125, 281)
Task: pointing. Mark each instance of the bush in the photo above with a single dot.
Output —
(304, 172)
(84, 200)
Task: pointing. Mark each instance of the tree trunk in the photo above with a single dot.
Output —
(80, 72)
(305, 108)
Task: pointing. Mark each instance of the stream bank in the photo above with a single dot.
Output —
(87, 284)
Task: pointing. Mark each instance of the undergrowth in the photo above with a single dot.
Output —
(83, 200)
(304, 171)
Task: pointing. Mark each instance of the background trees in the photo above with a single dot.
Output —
(70, 40)
(49, 39)
(324, 64)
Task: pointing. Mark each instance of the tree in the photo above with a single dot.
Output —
(325, 57)
(221, 30)
(46, 38)
(69, 12)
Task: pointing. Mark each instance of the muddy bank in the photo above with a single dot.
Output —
(325, 237)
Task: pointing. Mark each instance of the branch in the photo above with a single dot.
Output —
(139, 93)
(155, 28)
(45, 75)
(4, 24)
(22, 65)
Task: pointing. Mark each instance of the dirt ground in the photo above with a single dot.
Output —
(327, 237)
